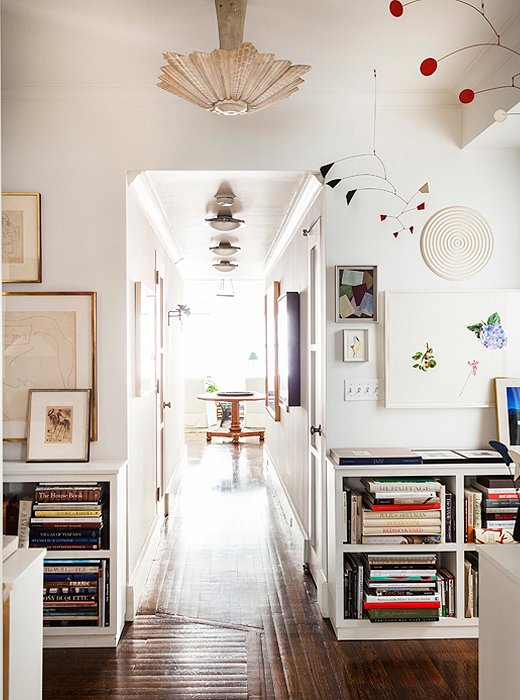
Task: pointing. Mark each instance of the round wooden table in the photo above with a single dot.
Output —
(236, 431)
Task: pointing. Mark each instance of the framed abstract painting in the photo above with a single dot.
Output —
(356, 293)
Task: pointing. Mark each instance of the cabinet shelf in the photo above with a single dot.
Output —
(22, 478)
(451, 554)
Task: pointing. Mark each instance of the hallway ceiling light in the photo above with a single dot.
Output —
(225, 266)
(225, 200)
(235, 78)
(225, 249)
(224, 222)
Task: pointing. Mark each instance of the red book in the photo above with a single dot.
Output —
(419, 604)
(406, 506)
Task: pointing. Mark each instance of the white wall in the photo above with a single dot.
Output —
(417, 148)
(74, 143)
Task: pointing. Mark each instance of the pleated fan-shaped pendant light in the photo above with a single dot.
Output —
(234, 79)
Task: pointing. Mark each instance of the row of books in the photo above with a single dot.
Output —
(397, 588)
(76, 592)
(67, 516)
(402, 455)
(471, 585)
(394, 510)
(490, 510)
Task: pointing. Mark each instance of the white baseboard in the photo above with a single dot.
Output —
(293, 519)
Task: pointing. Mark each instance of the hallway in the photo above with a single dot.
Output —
(229, 613)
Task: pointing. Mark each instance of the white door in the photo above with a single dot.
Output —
(161, 403)
(316, 557)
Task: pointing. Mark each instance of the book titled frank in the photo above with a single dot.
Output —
(375, 455)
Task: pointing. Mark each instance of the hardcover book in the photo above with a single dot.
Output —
(375, 455)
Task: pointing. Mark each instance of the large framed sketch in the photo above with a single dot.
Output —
(21, 237)
(49, 343)
(443, 349)
(271, 351)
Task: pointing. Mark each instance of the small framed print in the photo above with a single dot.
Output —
(58, 427)
(508, 410)
(355, 345)
(21, 237)
(356, 293)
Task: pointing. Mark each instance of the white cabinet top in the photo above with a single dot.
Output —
(41, 471)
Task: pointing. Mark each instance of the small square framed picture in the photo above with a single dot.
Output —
(355, 345)
(21, 237)
(508, 410)
(356, 293)
(58, 427)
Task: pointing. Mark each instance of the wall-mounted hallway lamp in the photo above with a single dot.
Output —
(181, 310)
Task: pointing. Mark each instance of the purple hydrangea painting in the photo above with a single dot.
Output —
(490, 333)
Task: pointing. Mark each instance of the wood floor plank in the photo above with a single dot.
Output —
(228, 613)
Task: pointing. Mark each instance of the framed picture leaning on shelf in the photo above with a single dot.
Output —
(58, 425)
(49, 343)
(356, 293)
(21, 237)
(508, 410)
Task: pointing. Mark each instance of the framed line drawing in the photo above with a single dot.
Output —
(58, 425)
(356, 293)
(144, 339)
(21, 237)
(355, 345)
(272, 401)
(49, 343)
(508, 410)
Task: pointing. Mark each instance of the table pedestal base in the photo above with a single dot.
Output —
(235, 435)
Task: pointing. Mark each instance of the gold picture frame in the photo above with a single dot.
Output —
(58, 425)
(21, 237)
(49, 343)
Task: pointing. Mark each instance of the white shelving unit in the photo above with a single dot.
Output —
(456, 477)
(20, 477)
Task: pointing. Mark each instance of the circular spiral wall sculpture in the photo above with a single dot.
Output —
(456, 243)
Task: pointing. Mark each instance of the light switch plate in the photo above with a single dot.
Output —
(364, 390)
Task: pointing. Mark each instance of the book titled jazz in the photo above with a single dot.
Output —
(375, 455)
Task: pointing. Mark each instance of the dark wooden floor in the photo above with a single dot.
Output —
(229, 613)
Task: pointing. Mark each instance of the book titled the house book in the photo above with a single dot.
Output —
(375, 455)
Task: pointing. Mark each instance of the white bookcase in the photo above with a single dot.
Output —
(22, 478)
(456, 477)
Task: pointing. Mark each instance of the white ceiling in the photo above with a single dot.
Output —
(263, 200)
(115, 46)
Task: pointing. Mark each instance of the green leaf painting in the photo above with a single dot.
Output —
(424, 360)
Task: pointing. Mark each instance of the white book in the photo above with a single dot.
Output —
(434, 597)
(24, 521)
(429, 514)
(403, 522)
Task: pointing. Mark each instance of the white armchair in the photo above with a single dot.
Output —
(197, 413)
(254, 411)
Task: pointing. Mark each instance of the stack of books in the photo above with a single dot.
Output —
(75, 592)
(402, 510)
(353, 579)
(401, 588)
(499, 501)
(471, 585)
(67, 516)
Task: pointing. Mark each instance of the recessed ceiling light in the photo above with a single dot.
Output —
(225, 249)
(224, 222)
(225, 266)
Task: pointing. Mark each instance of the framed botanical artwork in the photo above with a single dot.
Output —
(49, 343)
(355, 345)
(58, 425)
(508, 410)
(443, 349)
(144, 339)
(21, 237)
(356, 293)
(272, 402)
(289, 349)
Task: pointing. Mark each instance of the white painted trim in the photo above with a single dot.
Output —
(137, 579)
(288, 508)
(150, 204)
(299, 208)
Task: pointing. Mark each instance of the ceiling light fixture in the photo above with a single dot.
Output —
(225, 266)
(226, 288)
(225, 200)
(224, 222)
(225, 249)
(234, 79)
(501, 115)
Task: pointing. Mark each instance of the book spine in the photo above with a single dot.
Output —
(379, 460)
(66, 513)
(24, 519)
(401, 539)
(403, 522)
(410, 604)
(448, 516)
(378, 515)
(404, 496)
